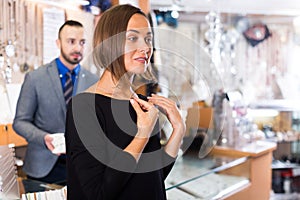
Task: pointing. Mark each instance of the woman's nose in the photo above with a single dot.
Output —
(144, 48)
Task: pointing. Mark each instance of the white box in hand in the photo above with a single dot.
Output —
(58, 143)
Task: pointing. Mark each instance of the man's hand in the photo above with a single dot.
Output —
(48, 141)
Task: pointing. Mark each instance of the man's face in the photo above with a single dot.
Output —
(71, 44)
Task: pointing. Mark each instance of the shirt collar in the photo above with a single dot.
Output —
(62, 69)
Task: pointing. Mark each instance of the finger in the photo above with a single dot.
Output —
(165, 105)
(144, 104)
(162, 102)
(48, 138)
(136, 106)
(157, 99)
(50, 146)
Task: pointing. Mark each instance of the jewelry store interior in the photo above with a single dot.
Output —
(232, 67)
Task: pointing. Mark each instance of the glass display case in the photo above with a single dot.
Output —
(195, 178)
(33, 189)
(226, 173)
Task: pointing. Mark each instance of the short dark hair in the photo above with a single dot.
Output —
(109, 38)
(69, 23)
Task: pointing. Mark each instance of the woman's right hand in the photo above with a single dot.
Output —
(147, 115)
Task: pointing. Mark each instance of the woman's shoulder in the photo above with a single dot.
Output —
(89, 98)
(86, 103)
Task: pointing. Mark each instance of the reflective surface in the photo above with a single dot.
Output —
(28, 186)
(192, 177)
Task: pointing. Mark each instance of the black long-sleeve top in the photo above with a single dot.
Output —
(98, 128)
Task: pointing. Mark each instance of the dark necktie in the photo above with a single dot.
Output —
(68, 88)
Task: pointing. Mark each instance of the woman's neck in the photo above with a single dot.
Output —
(120, 89)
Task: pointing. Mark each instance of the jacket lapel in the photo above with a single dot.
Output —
(56, 83)
(81, 81)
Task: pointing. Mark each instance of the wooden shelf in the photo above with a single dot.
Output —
(9, 136)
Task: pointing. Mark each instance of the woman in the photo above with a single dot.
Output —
(112, 134)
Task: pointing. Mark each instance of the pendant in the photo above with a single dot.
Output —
(10, 49)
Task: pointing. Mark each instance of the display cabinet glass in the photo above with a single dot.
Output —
(195, 178)
(226, 173)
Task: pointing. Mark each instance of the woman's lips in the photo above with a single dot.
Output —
(141, 59)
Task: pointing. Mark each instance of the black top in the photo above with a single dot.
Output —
(98, 128)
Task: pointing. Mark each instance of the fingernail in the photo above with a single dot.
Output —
(131, 101)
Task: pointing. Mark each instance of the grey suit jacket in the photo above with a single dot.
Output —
(41, 109)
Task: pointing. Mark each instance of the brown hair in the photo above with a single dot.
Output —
(109, 38)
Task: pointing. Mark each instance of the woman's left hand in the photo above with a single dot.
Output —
(170, 109)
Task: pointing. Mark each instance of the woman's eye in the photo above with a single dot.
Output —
(149, 40)
(132, 38)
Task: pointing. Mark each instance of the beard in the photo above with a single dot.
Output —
(70, 60)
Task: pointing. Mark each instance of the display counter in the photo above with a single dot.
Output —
(32, 189)
(226, 173)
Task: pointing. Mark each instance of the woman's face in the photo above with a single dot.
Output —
(138, 45)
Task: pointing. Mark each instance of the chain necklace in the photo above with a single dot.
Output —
(115, 92)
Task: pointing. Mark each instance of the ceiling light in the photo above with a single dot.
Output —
(83, 2)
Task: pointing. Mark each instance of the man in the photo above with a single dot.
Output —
(41, 107)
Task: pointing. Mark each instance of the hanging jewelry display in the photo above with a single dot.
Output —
(7, 47)
(30, 28)
(221, 43)
(10, 49)
(213, 35)
(10, 52)
(24, 67)
(2, 65)
(39, 28)
(21, 36)
(1, 25)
